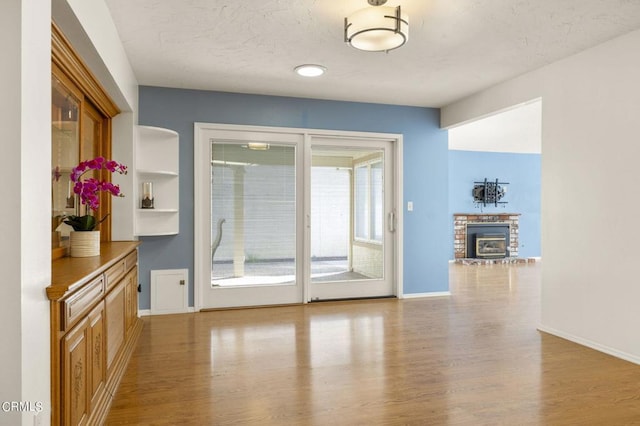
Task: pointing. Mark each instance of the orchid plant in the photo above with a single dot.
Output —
(88, 189)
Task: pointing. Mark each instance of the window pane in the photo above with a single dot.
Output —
(377, 211)
(253, 214)
(65, 154)
(362, 214)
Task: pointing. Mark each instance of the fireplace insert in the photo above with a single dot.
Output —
(491, 246)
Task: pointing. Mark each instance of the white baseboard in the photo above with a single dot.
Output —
(433, 294)
(590, 344)
(535, 258)
(147, 312)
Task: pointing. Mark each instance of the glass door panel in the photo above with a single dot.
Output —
(251, 186)
(350, 246)
(65, 153)
(65, 137)
(253, 220)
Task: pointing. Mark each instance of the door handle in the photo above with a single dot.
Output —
(392, 221)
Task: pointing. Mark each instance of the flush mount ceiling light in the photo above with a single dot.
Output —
(257, 146)
(310, 70)
(377, 29)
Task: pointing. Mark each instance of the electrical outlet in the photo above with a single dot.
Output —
(410, 206)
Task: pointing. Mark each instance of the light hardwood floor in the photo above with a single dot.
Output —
(474, 358)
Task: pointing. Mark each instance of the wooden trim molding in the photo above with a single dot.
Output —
(68, 66)
(65, 57)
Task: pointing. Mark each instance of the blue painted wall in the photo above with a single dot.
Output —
(522, 171)
(425, 169)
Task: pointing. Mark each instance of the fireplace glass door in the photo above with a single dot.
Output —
(491, 245)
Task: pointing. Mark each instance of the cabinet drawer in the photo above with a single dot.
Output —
(80, 302)
(114, 274)
(131, 260)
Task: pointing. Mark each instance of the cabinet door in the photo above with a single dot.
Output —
(114, 312)
(97, 354)
(131, 298)
(74, 374)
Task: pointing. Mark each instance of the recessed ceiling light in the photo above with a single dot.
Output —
(310, 70)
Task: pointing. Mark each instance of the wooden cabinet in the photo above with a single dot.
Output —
(74, 375)
(97, 359)
(114, 303)
(83, 371)
(94, 328)
(131, 299)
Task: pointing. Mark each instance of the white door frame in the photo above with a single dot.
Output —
(202, 222)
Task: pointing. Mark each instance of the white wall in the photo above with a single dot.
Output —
(25, 167)
(590, 154)
(10, 307)
(516, 130)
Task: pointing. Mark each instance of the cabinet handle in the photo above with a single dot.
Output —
(392, 221)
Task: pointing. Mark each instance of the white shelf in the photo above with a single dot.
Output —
(158, 210)
(157, 162)
(156, 234)
(157, 172)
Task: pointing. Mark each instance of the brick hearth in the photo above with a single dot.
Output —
(461, 220)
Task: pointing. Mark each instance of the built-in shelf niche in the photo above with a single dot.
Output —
(157, 162)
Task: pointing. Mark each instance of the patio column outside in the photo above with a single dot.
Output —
(238, 221)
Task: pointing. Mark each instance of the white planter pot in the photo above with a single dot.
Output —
(84, 243)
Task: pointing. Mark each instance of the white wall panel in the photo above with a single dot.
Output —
(590, 153)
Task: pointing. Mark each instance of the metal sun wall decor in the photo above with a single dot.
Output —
(489, 193)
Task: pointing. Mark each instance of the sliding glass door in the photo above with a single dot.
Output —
(292, 217)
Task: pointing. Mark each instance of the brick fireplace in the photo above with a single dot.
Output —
(462, 220)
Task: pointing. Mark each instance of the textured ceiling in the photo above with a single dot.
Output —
(455, 47)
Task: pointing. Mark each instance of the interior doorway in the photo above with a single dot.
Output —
(505, 146)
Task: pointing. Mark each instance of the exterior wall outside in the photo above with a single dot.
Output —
(330, 212)
(368, 260)
(269, 228)
(425, 165)
(268, 205)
